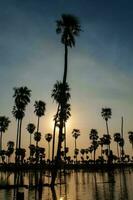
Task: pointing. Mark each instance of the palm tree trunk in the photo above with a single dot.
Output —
(94, 156)
(118, 150)
(75, 149)
(20, 133)
(17, 134)
(38, 123)
(101, 150)
(49, 151)
(108, 134)
(58, 155)
(65, 64)
(53, 146)
(30, 138)
(0, 140)
(65, 141)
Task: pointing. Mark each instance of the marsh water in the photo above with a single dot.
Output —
(75, 185)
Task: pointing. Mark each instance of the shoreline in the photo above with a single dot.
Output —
(48, 167)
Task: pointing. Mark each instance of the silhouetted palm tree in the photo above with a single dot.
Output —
(94, 137)
(106, 114)
(48, 138)
(21, 99)
(37, 137)
(76, 134)
(18, 113)
(10, 149)
(31, 128)
(57, 96)
(130, 136)
(40, 108)
(69, 27)
(90, 149)
(117, 137)
(82, 151)
(121, 144)
(107, 141)
(4, 123)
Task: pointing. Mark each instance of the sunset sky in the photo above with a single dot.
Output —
(100, 71)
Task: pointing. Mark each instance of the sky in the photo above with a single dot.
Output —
(100, 66)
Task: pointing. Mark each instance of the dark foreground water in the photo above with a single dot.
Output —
(80, 185)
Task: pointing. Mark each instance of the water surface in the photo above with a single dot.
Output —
(79, 185)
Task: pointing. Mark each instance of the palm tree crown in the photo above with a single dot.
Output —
(40, 108)
(106, 113)
(4, 123)
(21, 96)
(130, 136)
(57, 92)
(30, 128)
(48, 137)
(76, 133)
(69, 26)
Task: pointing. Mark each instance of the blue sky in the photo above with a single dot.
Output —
(100, 66)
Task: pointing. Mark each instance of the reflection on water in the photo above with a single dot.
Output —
(75, 185)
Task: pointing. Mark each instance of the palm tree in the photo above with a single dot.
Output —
(31, 128)
(76, 134)
(37, 137)
(107, 141)
(10, 149)
(48, 138)
(130, 136)
(82, 151)
(117, 137)
(106, 114)
(18, 113)
(90, 149)
(4, 123)
(94, 137)
(69, 27)
(21, 99)
(40, 108)
(121, 144)
(57, 96)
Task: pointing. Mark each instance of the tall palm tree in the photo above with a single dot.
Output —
(76, 134)
(106, 114)
(130, 136)
(121, 144)
(107, 141)
(31, 128)
(69, 27)
(4, 123)
(21, 99)
(18, 114)
(117, 138)
(40, 108)
(48, 138)
(94, 137)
